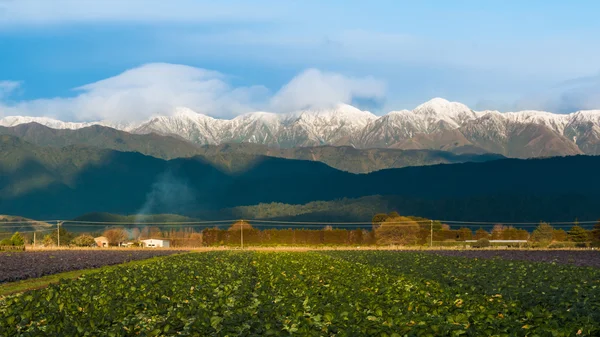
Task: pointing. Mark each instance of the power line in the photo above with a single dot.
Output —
(277, 223)
(38, 231)
(517, 223)
(147, 223)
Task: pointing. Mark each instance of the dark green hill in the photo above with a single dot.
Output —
(64, 183)
(11, 224)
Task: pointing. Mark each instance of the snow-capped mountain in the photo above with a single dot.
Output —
(49, 122)
(301, 128)
(436, 124)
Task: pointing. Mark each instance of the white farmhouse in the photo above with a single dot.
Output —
(154, 243)
(101, 241)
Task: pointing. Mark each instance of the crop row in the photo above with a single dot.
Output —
(545, 295)
(23, 265)
(313, 294)
(582, 258)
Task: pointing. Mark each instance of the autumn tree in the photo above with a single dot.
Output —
(559, 235)
(378, 219)
(115, 235)
(497, 232)
(397, 230)
(465, 234)
(481, 234)
(241, 225)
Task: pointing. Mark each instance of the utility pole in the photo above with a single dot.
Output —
(431, 235)
(58, 232)
(242, 233)
(33, 239)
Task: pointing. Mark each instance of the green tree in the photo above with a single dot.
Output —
(84, 240)
(595, 234)
(578, 234)
(65, 236)
(6, 242)
(543, 233)
(17, 239)
(48, 241)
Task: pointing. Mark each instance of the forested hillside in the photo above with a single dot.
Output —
(65, 183)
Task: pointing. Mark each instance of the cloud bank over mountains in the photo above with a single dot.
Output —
(157, 88)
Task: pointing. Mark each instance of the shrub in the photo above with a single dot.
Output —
(482, 243)
(6, 242)
(84, 240)
(562, 245)
(48, 240)
(17, 239)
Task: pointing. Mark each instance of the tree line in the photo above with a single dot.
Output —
(386, 229)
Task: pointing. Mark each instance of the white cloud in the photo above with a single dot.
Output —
(44, 12)
(156, 88)
(314, 88)
(145, 91)
(573, 95)
(8, 87)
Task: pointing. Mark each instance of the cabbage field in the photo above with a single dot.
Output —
(336, 293)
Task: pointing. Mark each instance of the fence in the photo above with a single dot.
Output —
(12, 248)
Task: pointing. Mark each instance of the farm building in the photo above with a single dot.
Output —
(101, 241)
(156, 243)
(507, 242)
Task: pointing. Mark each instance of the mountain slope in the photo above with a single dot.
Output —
(235, 156)
(428, 126)
(492, 133)
(41, 183)
(166, 147)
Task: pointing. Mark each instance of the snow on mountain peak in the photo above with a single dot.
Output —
(49, 122)
(339, 124)
(440, 106)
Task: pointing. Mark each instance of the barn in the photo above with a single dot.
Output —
(156, 243)
(101, 241)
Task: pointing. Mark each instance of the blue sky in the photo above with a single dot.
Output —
(229, 57)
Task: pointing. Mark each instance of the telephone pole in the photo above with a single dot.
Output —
(33, 239)
(431, 234)
(58, 232)
(242, 233)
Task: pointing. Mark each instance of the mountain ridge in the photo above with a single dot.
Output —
(347, 125)
(234, 156)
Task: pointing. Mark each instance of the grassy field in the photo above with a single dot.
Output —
(342, 293)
